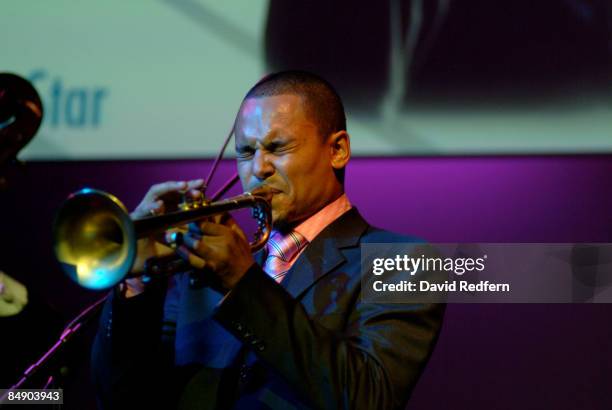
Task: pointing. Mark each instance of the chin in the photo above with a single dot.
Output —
(280, 209)
(281, 219)
(278, 219)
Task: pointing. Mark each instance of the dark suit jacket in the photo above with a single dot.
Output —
(307, 343)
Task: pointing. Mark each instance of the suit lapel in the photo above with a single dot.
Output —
(324, 254)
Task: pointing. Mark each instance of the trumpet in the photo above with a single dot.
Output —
(95, 238)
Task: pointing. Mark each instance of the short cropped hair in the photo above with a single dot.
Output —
(321, 100)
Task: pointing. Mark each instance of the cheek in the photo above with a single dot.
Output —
(285, 171)
(316, 170)
(302, 172)
(244, 172)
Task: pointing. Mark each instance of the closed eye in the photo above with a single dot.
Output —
(279, 147)
(244, 152)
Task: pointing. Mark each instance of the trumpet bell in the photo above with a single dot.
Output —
(94, 239)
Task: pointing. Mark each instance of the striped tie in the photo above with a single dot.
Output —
(281, 251)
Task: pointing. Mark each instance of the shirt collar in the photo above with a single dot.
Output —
(312, 226)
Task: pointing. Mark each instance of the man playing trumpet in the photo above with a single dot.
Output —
(284, 328)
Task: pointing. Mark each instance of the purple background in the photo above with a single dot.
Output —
(488, 356)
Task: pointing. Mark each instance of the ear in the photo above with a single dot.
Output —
(340, 148)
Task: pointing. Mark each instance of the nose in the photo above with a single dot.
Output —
(262, 167)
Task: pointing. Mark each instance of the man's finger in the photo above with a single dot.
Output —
(194, 228)
(213, 229)
(164, 188)
(236, 228)
(157, 208)
(197, 245)
(227, 220)
(194, 260)
(194, 194)
(195, 184)
(231, 223)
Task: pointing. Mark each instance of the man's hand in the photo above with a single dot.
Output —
(160, 198)
(221, 248)
(165, 197)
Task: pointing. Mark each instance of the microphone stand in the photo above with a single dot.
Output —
(69, 331)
